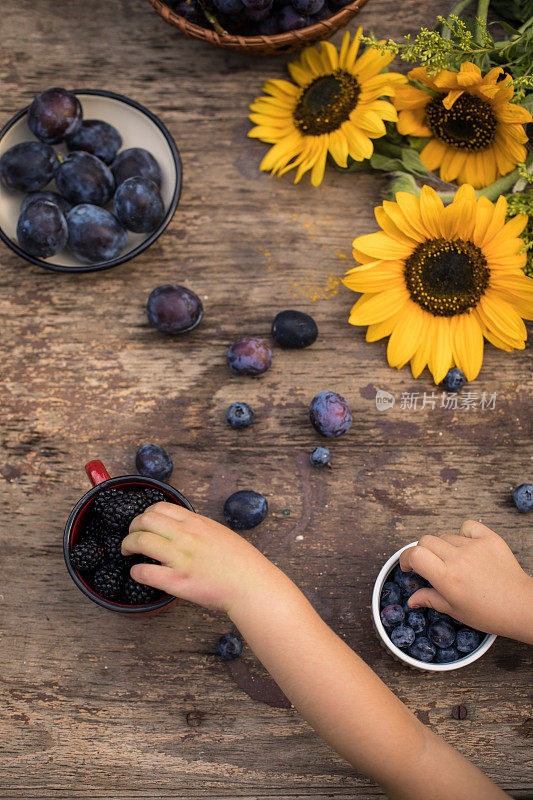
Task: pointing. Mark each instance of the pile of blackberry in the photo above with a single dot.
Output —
(97, 556)
(253, 17)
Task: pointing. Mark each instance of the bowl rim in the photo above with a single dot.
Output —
(114, 262)
(487, 642)
(119, 480)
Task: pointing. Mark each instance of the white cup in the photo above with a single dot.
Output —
(398, 654)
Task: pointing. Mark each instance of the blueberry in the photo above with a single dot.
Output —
(307, 6)
(390, 593)
(445, 655)
(422, 649)
(409, 582)
(153, 461)
(416, 618)
(229, 646)
(174, 309)
(320, 457)
(249, 356)
(294, 329)
(54, 115)
(523, 497)
(136, 163)
(290, 20)
(83, 178)
(245, 509)
(439, 616)
(98, 138)
(330, 414)
(28, 166)
(94, 235)
(454, 380)
(139, 205)
(441, 633)
(402, 636)
(41, 229)
(392, 615)
(239, 415)
(467, 639)
(60, 201)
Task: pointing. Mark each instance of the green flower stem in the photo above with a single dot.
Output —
(492, 192)
(386, 148)
(481, 20)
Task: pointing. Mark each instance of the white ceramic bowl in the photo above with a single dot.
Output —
(138, 128)
(398, 654)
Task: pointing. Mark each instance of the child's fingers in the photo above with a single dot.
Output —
(172, 510)
(437, 545)
(430, 598)
(156, 522)
(151, 545)
(160, 577)
(475, 530)
(423, 561)
(454, 539)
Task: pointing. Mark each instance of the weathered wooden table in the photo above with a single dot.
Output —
(96, 706)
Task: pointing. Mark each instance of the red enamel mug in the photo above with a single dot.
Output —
(100, 480)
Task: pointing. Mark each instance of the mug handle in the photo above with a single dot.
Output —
(96, 472)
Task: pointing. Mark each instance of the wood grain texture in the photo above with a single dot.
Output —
(94, 706)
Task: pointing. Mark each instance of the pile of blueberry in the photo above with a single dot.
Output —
(91, 180)
(253, 17)
(97, 554)
(423, 633)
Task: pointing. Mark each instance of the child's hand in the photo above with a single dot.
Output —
(476, 579)
(201, 560)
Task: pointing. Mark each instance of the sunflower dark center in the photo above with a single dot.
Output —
(326, 103)
(446, 277)
(469, 124)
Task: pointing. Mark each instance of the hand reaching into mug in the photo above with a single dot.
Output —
(476, 579)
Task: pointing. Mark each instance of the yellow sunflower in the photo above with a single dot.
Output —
(477, 134)
(438, 279)
(334, 106)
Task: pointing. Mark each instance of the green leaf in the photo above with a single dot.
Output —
(385, 163)
(413, 163)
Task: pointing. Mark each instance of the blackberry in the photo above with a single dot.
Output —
(112, 547)
(87, 556)
(138, 594)
(95, 530)
(108, 582)
(118, 507)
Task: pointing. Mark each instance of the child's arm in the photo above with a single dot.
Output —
(476, 579)
(336, 692)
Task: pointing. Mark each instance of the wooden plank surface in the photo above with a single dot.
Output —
(96, 706)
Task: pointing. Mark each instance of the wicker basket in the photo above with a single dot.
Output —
(262, 45)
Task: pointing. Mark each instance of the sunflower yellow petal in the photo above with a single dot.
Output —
(338, 147)
(411, 123)
(351, 55)
(441, 358)
(374, 277)
(431, 210)
(459, 217)
(514, 113)
(378, 330)
(499, 316)
(497, 222)
(372, 308)
(359, 144)
(432, 154)
(317, 173)
(410, 225)
(379, 245)
(389, 226)
(467, 344)
(421, 357)
(407, 335)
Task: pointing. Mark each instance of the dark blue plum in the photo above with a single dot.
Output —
(269, 26)
(336, 4)
(392, 615)
(54, 115)
(467, 639)
(320, 457)
(454, 380)
(98, 138)
(523, 497)
(258, 14)
(249, 356)
(257, 5)
(417, 620)
(229, 646)
(229, 6)
(153, 461)
(83, 178)
(291, 20)
(390, 593)
(441, 633)
(94, 234)
(239, 415)
(422, 649)
(402, 636)
(138, 205)
(330, 414)
(445, 655)
(53, 197)
(136, 162)
(409, 582)
(245, 509)
(307, 6)
(41, 229)
(189, 9)
(28, 166)
(294, 329)
(174, 309)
